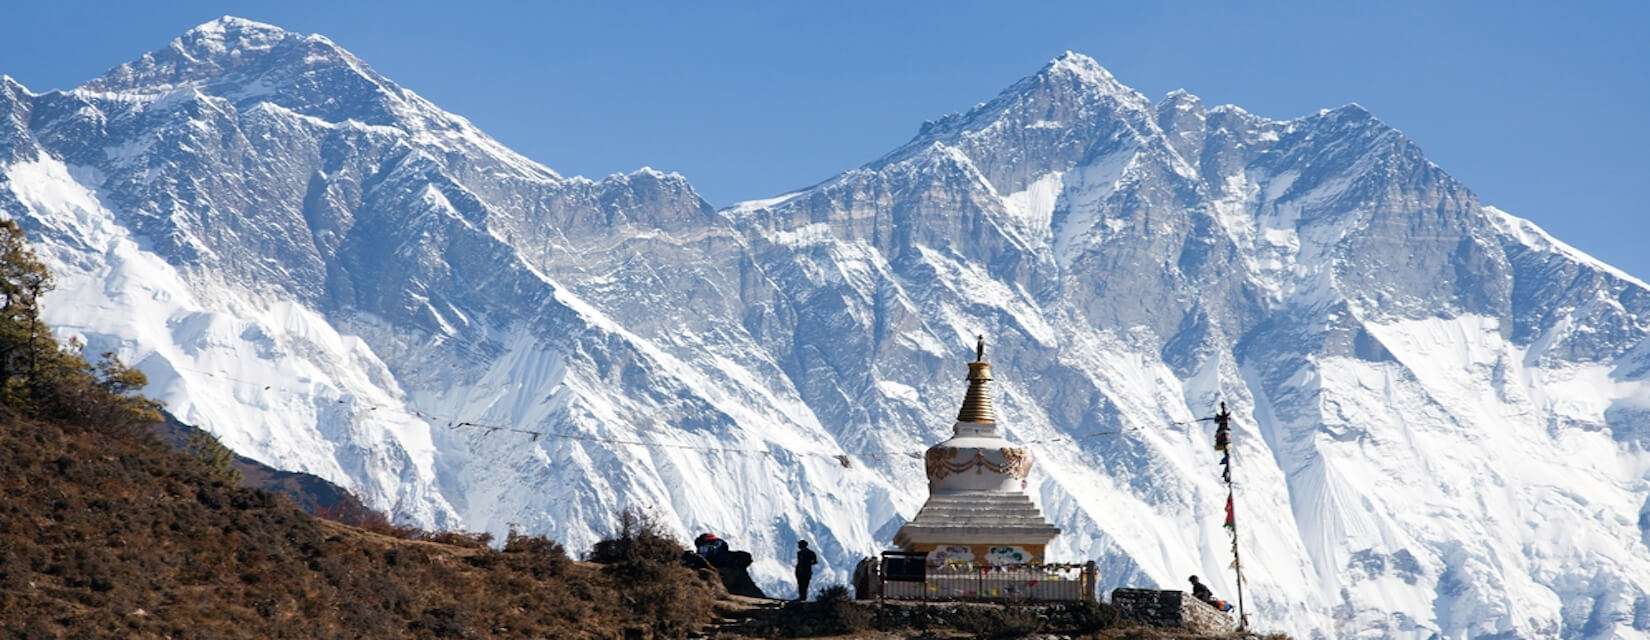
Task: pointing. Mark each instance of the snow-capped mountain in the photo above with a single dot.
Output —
(1444, 412)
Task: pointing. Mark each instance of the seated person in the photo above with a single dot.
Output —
(710, 546)
(1202, 592)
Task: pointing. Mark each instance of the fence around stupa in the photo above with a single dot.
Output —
(968, 581)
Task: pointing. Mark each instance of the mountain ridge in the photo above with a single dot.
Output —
(1320, 273)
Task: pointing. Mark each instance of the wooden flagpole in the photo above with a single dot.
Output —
(1223, 422)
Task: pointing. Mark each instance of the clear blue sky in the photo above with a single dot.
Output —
(1539, 107)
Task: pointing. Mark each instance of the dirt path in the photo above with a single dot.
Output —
(734, 613)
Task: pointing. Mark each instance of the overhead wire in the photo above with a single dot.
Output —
(457, 422)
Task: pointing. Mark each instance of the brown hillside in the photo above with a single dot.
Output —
(105, 532)
(313, 494)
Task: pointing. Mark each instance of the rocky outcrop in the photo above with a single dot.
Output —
(733, 567)
(1169, 609)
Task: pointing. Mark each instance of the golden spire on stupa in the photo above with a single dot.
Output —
(976, 406)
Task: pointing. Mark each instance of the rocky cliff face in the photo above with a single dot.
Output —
(1442, 409)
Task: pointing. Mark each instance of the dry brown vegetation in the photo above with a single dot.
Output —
(105, 532)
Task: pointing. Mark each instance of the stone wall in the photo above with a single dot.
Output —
(1197, 615)
(1169, 609)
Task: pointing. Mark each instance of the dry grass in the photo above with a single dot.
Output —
(105, 532)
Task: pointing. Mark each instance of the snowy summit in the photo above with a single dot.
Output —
(1441, 411)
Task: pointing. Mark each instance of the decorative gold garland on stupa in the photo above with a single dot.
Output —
(1016, 463)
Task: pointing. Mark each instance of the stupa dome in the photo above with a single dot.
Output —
(977, 458)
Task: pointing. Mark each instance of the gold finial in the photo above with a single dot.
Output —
(976, 406)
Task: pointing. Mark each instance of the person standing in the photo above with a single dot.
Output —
(805, 561)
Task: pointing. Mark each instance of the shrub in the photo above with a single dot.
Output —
(844, 616)
(534, 545)
(833, 594)
(645, 564)
(638, 538)
(218, 459)
(540, 556)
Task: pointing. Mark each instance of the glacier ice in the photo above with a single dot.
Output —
(1442, 408)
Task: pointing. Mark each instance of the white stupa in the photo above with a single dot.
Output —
(977, 509)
